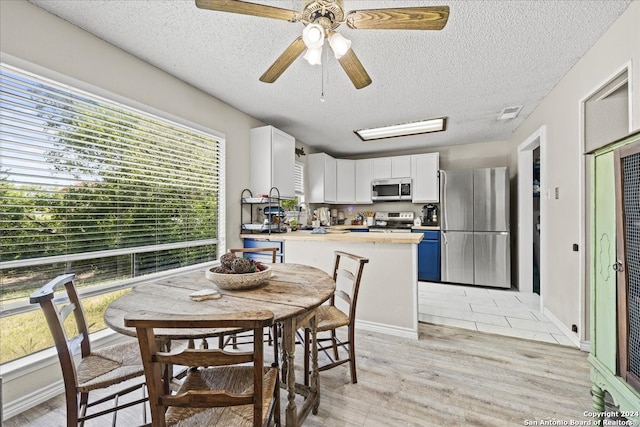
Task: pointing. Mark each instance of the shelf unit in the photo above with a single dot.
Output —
(271, 201)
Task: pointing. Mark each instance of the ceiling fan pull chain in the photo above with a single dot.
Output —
(322, 79)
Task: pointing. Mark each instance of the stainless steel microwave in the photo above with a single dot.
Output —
(391, 189)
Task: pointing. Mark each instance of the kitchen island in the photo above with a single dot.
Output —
(388, 298)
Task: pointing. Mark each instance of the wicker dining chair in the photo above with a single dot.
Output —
(97, 369)
(330, 317)
(222, 388)
(235, 338)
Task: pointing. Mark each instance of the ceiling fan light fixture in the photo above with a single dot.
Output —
(339, 44)
(313, 36)
(404, 129)
(314, 56)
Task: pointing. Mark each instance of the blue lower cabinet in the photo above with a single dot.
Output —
(255, 243)
(429, 256)
(360, 230)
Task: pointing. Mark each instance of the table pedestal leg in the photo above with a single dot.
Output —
(315, 383)
(288, 347)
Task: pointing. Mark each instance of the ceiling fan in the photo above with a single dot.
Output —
(321, 18)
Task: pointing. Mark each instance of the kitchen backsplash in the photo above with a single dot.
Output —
(352, 210)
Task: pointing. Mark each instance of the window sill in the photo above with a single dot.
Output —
(48, 357)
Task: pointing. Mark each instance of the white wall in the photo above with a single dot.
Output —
(560, 112)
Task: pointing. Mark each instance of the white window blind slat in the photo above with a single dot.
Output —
(99, 189)
(298, 178)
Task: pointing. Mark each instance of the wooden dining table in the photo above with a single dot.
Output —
(292, 293)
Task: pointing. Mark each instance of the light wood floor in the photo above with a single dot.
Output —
(449, 377)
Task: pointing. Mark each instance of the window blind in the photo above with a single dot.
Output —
(99, 189)
(298, 178)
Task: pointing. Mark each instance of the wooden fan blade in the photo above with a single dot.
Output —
(354, 69)
(404, 18)
(289, 55)
(246, 8)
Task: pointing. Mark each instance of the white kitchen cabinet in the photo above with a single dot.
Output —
(401, 167)
(321, 174)
(345, 181)
(424, 179)
(391, 167)
(381, 168)
(363, 170)
(272, 159)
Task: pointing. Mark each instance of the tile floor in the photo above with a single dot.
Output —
(498, 311)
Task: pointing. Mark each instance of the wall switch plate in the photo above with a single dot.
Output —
(557, 190)
(575, 247)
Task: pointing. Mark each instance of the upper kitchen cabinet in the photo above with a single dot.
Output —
(345, 181)
(426, 187)
(381, 168)
(364, 171)
(391, 167)
(272, 161)
(401, 167)
(322, 172)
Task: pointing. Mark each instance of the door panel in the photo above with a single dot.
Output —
(491, 199)
(627, 265)
(456, 200)
(491, 259)
(456, 255)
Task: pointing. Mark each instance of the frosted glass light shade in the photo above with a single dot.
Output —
(339, 44)
(314, 56)
(313, 36)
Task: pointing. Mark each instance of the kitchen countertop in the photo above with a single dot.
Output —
(340, 235)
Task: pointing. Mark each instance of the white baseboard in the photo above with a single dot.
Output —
(32, 399)
(387, 330)
(571, 336)
(585, 346)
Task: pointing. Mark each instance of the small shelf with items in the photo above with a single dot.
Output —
(272, 212)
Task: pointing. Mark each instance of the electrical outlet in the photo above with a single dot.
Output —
(574, 328)
(575, 247)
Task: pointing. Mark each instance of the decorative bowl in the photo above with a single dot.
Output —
(237, 282)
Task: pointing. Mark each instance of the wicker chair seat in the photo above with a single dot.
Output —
(108, 366)
(233, 379)
(329, 317)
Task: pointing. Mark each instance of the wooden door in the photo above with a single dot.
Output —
(627, 264)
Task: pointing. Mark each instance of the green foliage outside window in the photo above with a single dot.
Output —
(96, 189)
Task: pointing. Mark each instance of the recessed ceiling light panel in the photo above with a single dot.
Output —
(404, 129)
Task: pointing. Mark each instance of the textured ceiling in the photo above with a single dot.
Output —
(490, 55)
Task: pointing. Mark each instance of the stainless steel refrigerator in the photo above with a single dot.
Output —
(475, 243)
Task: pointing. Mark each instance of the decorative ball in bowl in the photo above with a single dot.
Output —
(235, 282)
(237, 273)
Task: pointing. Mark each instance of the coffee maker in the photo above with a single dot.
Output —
(430, 215)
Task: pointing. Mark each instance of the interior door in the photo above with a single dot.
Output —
(627, 264)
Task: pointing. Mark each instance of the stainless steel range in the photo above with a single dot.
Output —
(392, 222)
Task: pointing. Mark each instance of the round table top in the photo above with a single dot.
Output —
(292, 290)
